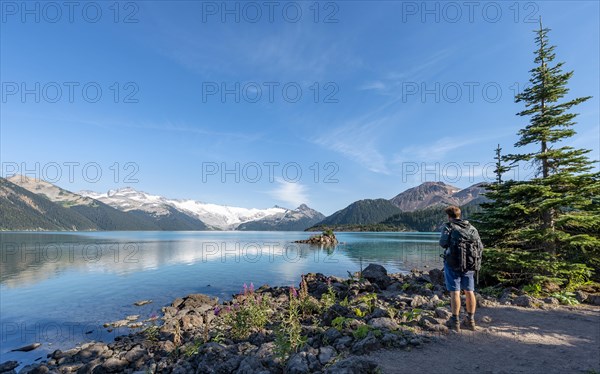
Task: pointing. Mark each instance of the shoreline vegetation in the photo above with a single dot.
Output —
(324, 325)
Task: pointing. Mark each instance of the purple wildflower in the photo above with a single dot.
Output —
(251, 287)
(245, 289)
(293, 291)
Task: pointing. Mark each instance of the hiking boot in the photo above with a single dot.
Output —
(469, 324)
(453, 324)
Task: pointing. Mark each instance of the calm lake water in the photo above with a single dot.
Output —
(59, 288)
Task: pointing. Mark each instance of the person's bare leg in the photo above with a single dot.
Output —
(455, 302)
(471, 302)
(454, 323)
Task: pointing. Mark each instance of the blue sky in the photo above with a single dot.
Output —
(392, 94)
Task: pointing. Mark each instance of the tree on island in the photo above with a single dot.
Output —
(548, 227)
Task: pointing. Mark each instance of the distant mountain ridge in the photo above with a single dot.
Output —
(129, 209)
(101, 215)
(430, 194)
(362, 212)
(418, 208)
(216, 217)
(291, 220)
(31, 204)
(23, 210)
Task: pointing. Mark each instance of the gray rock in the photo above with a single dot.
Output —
(368, 344)
(178, 301)
(195, 301)
(429, 319)
(313, 361)
(436, 276)
(581, 296)
(114, 365)
(250, 365)
(297, 364)
(343, 343)
(593, 299)
(34, 369)
(331, 335)
(27, 348)
(266, 350)
(443, 313)
(353, 365)
(384, 322)
(551, 301)
(390, 339)
(135, 354)
(524, 301)
(191, 321)
(418, 301)
(8, 366)
(327, 354)
(377, 274)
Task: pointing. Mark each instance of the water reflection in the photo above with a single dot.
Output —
(59, 288)
(29, 258)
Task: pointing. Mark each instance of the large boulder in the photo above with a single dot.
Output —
(353, 365)
(377, 274)
(8, 366)
(437, 277)
(384, 323)
(593, 299)
(525, 301)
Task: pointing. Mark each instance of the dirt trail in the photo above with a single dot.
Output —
(516, 340)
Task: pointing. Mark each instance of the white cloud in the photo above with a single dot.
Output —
(292, 193)
(374, 85)
(435, 151)
(357, 142)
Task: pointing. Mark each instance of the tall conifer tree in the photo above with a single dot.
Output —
(559, 201)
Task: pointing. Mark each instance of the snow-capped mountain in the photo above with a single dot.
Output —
(127, 199)
(216, 216)
(50, 191)
(290, 220)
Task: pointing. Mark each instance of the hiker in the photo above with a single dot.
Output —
(462, 259)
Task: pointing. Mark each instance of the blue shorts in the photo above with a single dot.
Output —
(457, 281)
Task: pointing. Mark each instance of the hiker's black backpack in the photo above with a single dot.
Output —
(465, 251)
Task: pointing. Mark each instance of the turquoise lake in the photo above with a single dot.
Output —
(58, 289)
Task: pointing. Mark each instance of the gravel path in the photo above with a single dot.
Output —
(513, 340)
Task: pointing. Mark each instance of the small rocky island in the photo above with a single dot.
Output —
(327, 238)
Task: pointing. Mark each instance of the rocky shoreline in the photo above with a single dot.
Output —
(321, 326)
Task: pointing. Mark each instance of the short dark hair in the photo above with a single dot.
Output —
(453, 211)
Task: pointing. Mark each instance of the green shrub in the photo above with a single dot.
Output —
(514, 268)
(248, 313)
